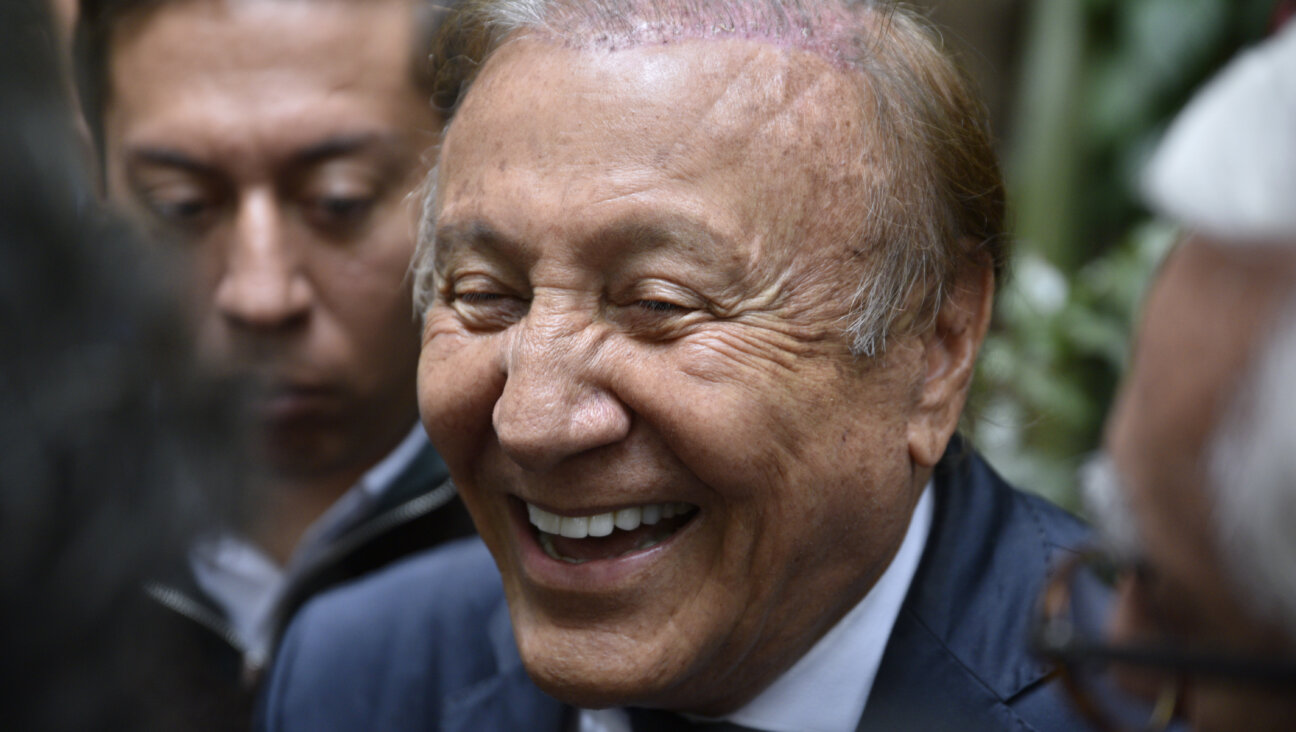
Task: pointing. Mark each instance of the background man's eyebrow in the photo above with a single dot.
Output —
(167, 157)
(343, 145)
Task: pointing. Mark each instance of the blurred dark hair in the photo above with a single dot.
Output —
(109, 440)
(97, 20)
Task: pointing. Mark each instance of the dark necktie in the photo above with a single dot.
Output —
(656, 720)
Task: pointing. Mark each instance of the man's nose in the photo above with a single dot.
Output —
(556, 402)
(263, 286)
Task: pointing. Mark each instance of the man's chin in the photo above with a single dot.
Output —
(303, 450)
(590, 682)
(593, 670)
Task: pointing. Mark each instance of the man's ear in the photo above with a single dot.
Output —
(950, 348)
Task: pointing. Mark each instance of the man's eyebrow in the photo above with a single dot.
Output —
(642, 235)
(170, 158)
(685, 238)
(343, 145)
(327, 149)
(474, 234)
(632, 236)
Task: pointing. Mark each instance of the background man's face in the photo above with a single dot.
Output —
(640, 299)
(280, 141)
(1210, 308)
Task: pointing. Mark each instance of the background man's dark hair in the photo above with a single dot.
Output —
(107, 440)
(98, 19)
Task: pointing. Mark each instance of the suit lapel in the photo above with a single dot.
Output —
(959, 651)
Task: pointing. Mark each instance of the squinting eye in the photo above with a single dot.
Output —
(661, 306)
(179, 211)
(669, 315)
(488, 309)
(480, 298)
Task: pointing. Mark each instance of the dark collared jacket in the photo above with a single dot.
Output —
(203, 672)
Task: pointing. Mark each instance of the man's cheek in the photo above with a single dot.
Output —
(457, 390)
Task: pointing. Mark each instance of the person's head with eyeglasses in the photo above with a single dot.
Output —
(1196, 488)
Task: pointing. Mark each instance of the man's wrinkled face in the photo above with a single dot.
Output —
(1210, 308)
(278, 142)
(635, 363)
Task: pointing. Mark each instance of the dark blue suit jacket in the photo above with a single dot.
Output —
(427, 644)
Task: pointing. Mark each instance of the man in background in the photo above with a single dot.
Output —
(1197, 490)
(276, 143)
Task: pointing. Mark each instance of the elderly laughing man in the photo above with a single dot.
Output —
(703, 286)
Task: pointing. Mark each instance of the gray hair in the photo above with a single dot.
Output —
(1107, 506)
(1252, 466)
(937, 203)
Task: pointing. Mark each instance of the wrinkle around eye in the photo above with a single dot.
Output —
(736, 349)
(659, 320)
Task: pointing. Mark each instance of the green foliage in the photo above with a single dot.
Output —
(1102, 80)
(1059, 340)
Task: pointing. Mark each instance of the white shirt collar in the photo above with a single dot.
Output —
(827, 689)
(243, 581)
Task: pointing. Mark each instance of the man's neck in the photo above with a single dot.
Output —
(291, 506)
(297, 492)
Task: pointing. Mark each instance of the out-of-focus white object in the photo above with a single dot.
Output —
(1227, 165)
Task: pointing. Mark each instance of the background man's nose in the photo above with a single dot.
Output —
(553, 405)
(263, 286)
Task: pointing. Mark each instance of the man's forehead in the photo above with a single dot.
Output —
(263, 70)
(765, 77)
(272, 34)
(743, 121)
(724, 97)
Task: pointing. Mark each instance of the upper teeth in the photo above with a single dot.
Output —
(601, 524)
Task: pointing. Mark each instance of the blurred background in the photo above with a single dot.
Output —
(1079, 92)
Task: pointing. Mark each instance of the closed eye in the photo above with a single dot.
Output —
(484, 305)
(661, 306)
(181, 212)
(184, 208)
(480, 298)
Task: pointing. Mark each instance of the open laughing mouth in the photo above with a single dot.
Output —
(610, 535)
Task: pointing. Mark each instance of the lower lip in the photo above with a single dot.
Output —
(596, 574)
